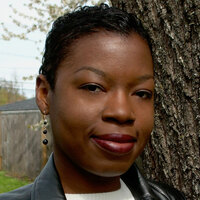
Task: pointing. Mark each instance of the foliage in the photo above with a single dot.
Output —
(9, 92)
(45, 12)
(8, 183)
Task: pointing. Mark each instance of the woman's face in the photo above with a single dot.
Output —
(101, 109)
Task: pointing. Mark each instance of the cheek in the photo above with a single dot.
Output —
(78, 117)
(144, 124)
(73, 115)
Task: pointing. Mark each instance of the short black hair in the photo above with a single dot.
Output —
(83, 21)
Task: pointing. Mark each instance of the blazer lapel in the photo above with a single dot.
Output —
(137, 184)
(47, 185)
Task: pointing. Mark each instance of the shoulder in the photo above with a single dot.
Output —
(161, 189)
(147, 189)
(23, 193)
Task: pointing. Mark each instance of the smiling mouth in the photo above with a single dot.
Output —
(115, 143)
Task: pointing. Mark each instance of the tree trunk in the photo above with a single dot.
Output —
(173, 153)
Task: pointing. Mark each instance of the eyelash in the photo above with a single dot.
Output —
(91, 87)
(144, 94)
(95, 88)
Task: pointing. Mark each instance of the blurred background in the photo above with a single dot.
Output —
(23, 28)
(17, 56)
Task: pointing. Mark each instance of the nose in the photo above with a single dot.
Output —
(119, 109)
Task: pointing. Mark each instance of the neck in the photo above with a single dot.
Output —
(76, 180)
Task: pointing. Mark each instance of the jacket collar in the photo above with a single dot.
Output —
(137, 184)
(47, 185)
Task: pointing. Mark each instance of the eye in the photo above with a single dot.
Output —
(92, 87)
(144, 94)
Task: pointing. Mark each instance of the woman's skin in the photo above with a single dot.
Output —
(101, 109)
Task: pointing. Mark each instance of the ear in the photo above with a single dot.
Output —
(42, 94)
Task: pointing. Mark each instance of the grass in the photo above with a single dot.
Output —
(8, 183)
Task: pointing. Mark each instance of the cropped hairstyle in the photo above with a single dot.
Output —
(84, 21)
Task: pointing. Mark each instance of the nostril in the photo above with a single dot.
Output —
(128, 122)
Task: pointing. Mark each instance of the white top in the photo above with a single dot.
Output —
(122, 194)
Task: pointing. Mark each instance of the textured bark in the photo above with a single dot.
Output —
(173, 153)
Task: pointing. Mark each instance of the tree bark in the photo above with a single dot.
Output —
(173, 153)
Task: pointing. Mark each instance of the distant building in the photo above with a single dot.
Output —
(21, 150)
(24, 105)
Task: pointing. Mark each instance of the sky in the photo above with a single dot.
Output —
(18, 57)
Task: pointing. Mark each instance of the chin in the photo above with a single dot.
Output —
(111, 172)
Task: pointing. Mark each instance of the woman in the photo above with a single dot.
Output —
(96, 83)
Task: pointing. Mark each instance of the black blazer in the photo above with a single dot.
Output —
(47, 186)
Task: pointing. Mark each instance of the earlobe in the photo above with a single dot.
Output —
(42, 93)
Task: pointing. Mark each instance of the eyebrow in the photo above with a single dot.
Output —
(101, 73)
(145, 78)
(97, 71)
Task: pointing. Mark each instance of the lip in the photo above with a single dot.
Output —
(115, 143)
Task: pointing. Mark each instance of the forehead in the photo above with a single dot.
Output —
(110, 51)
(107, 37)
(104, 43)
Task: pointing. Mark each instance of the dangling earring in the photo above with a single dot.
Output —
(44, 131)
